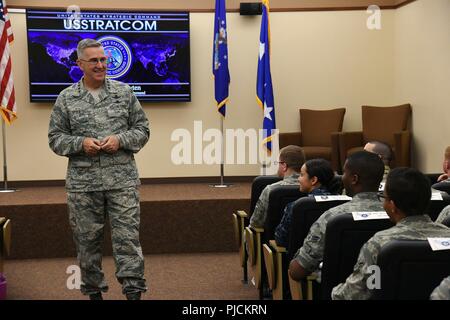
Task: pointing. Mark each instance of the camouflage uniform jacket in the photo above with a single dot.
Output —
(442, 292)
(409, 228)
(260, 213)
(76, 115)
(282, 230)
(310, 255)
(444, 214)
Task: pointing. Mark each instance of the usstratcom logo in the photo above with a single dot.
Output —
(119, 56)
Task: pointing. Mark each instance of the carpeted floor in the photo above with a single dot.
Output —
(203, 276)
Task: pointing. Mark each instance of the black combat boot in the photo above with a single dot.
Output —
(133, 295)
(96, 296)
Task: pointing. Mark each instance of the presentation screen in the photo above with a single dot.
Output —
(149, 51)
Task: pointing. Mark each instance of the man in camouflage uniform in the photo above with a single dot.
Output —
(363, 172)
(443, 181)
(442, 292)
(290, 162)
(384, 151)
(406, 196)
(445, 213)
(445, 167)
(99, 124)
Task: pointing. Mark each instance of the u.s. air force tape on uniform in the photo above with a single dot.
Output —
(437, 244)
(369, 215)
(331, 198)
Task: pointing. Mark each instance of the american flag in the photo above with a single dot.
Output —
(7, 98)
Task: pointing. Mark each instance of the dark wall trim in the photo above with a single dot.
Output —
(404, 3)
(208, 6)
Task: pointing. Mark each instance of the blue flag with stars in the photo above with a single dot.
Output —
(264, 90)
(220, 57)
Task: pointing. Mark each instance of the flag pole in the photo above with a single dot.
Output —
(5, 166)
(221, 75)
(262, 155)
(222, 152)
(264, 165)
(222, 184)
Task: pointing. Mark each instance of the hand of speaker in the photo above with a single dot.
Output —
(91, 146)
(110, 144)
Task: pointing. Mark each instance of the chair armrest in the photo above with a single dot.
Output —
(276, 261)
(239, 233)
(250, 242)
(254, 249)
(253, 241)
(242, 214)
(237, 230)
(351, 139)
(312, 277)
(348, 140)
(2, 244)
(402, 143)
(276, 247)
(257, 230)
(295, 288)
(7, 237)
(288, 138)
(270, 266)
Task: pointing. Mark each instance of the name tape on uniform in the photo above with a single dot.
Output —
(369, 215)
(436, 196)
(437, 244)
(331, 198)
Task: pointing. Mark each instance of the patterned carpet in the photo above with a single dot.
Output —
(209, 276)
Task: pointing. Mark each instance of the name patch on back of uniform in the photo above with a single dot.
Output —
(331, 198)
(436, 196)
(369, 215)
(438, 244)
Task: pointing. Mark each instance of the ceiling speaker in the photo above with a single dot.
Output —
(250, 8)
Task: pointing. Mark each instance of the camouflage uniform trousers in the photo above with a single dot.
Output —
(87, 216)
(442, 292)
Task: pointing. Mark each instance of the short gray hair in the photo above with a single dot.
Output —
(86, 43)
(383, 150)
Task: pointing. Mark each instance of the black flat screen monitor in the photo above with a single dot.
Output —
(147, 50)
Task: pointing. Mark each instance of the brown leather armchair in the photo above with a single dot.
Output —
(318, 129)
(390, 125)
